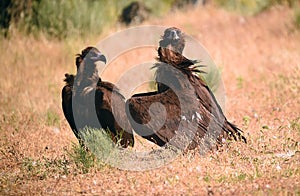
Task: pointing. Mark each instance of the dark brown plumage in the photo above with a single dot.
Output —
(206, 98)
(89, 102)
(190, 107)
(173, 39)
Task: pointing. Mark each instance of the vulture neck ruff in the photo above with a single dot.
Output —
(87, 77)
(174, 45)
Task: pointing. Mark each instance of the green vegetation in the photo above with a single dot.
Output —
(245, 7)
(251, 7)
(98, 149)
(44, 168)
(52, 118)
(83, 159)
(297, 15)
(295, 124)
(246, 120)
(212, 77)
(99, 142)
(61, 19)
(240, 82)
(76, 160)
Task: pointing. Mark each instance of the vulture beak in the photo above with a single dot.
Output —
(102, 58)
(174, 35)
(99, 57)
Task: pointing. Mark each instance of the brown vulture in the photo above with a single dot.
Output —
(183, 111)
(89, 102)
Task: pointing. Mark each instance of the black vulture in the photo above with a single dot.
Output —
(183, 105)
(89, 102)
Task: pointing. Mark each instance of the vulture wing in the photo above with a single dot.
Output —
(67, 102)
(187, 107)
(89, 102)
(110, 108)
(209, 107)
(156, 116)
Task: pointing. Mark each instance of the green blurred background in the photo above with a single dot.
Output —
(64, 18)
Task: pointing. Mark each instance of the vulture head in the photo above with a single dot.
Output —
(89, 55)
(173, 39)
(87, 73)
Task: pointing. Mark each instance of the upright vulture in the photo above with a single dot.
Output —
(89, 102)
(183, 111)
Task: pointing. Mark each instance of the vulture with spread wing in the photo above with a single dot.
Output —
(89, 102)
(183, 111)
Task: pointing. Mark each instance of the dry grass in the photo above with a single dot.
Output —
(259, 57)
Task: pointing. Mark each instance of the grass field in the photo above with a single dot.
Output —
(260, 61)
